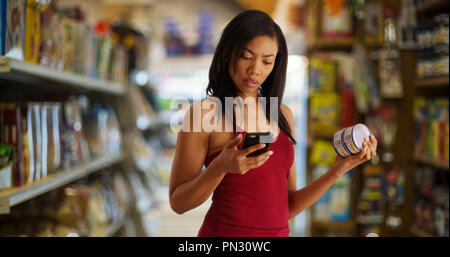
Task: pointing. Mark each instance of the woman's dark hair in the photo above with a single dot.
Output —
(236, 35)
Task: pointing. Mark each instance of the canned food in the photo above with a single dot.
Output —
(348, 141)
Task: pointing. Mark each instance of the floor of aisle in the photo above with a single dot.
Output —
(185, 225)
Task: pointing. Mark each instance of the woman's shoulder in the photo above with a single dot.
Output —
(287, 111)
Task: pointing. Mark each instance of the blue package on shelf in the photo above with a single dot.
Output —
(15, 29)
(2, 26)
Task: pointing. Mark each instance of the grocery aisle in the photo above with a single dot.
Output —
(90, 93)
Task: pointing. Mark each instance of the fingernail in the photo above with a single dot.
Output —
(270, 152)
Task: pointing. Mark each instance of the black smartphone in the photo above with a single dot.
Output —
(254, 138)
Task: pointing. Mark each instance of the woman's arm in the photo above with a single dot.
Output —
(301, 199)
(188, 187)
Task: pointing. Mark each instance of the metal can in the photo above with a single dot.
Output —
(348, 141)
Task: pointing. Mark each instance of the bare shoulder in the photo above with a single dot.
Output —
(287, 111)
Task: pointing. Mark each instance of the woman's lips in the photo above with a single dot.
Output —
(251, 83)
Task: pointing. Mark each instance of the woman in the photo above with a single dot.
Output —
(253, 196)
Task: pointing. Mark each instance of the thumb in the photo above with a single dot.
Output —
(236, 141)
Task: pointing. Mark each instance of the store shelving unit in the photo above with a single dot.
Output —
(34, 75)
(420, 233)
(333, 43)
(15, 196)
(430, 4)
(442, 164)
(432, 82)
(334, 225)
(421, 87)
(320, 44)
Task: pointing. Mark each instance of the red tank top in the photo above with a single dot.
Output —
(254, 204)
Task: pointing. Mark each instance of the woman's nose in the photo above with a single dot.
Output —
(254, 69)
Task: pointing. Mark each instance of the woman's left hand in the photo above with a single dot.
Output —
(342, 165)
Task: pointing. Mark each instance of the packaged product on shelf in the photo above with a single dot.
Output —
(336, 19)
(45, 139)
(373, 25)
(370, 200)
(322, 153)
(322, 206)
(431, 127)
(11, 113)
(37, 141)
(340, 199)
(6, 153)
(363, 84)
(102, 130)
(15, 29)
(322, 75)
(105, 46)
(390, 77)
(28, 143)
(2, 26)
(79, 46)
(32, 31)
(69, 36)
(51, 54)
(89, 65)
(325, 110)
(431, 200)
(119, 69)
(75, 149)
(54, 152)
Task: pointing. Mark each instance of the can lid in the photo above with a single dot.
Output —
(360, 131)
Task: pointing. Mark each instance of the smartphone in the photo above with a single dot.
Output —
(254, 138)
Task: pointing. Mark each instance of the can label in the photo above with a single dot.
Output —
(338, 144)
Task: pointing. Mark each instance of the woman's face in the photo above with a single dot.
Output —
(254, 65)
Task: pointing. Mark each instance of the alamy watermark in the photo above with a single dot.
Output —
(213, 115)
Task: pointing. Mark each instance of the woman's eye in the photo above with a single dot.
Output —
(267, 63)
(246, 58)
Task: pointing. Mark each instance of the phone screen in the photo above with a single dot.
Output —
(255, 138)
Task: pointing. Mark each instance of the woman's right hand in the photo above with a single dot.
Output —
(232, 160)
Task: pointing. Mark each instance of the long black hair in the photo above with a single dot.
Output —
(236, 35)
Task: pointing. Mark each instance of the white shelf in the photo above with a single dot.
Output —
(14, 196)
(31, 73)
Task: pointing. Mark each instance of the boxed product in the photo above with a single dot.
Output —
(323, 75)
(6, 153)
(336, 19)
(15, 29)
(32, 31)
(2, 26)
(325, 110)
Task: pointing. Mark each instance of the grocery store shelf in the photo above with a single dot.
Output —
(431, 4)
(419, 232)
(325, 134)
(432, 162)
(333, 225)
(337, 43)
(112, 229)
(432, 82)
(30, 74)
(14, 196)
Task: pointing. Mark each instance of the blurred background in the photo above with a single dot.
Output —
(88, 90)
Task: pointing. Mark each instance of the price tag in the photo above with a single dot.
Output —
(4, 64)
(4, 205)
